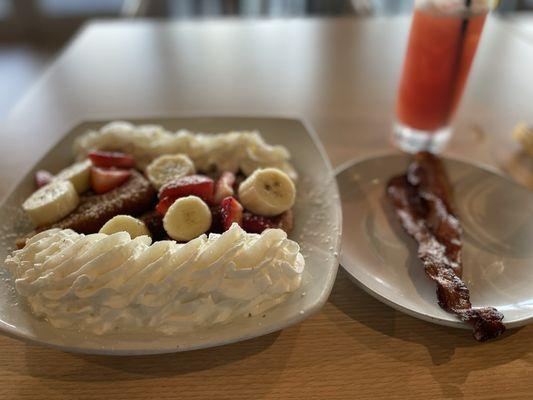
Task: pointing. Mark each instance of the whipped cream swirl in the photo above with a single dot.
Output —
(230, 151)
(102, 283)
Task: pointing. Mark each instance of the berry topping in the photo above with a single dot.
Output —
(163, 205)
(230, 212)
(192, 185)
(224, 187)
(253, 223)
(104, 180)
(43, 177)
(107, 159)
(216, 219)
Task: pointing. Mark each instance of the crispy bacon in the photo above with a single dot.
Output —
(422, 199)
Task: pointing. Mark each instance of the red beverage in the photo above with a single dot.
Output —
(439, 55)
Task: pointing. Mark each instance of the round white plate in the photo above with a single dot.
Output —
(317, 215)
(497, 219)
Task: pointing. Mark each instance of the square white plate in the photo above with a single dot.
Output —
(317, 229)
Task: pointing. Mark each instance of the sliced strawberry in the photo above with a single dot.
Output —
(192, 185)
(164, 204)
(216, 220)
(43, 177)
(224, 187)
(109, 159)
(104, 180)
(230, 212)
(252, 223)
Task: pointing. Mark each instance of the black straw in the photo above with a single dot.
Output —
(465, 20)
(464, 28)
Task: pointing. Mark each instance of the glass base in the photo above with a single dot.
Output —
(413, 140)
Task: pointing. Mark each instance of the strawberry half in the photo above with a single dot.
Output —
(192, 185)
(216, 220)
(224, 187)
(230, 212)
(164, 204)
(104, 180)
(43, 177)
(252, 223)
(107, 159)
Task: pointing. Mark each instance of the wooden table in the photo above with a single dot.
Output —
(341, 75)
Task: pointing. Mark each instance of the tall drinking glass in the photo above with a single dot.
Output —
(442, 44)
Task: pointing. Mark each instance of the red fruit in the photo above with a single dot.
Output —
(224, 187)
(164, 204)
(109, 159)
(104, 180)
(252, 223)
(192, 185)
(43, 177)
(216, 220)
(230, 212)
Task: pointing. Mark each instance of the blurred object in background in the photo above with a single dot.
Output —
(32, 31)
(507, 6)
(57, 20)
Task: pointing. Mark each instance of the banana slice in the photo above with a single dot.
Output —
(125, 223)
(267, 192)
(187, 218)
(79, 174)
(169, 167)
(51, 203)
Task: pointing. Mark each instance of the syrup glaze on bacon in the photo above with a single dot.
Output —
(422, 199)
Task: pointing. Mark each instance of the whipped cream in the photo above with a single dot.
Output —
(230, 151)
(102, 283)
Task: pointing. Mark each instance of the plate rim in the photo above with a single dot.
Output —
(454, 323)
(11, 331)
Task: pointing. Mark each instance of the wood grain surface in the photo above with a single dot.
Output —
(341, 76)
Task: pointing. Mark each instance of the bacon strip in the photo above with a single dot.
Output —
(422, 199)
